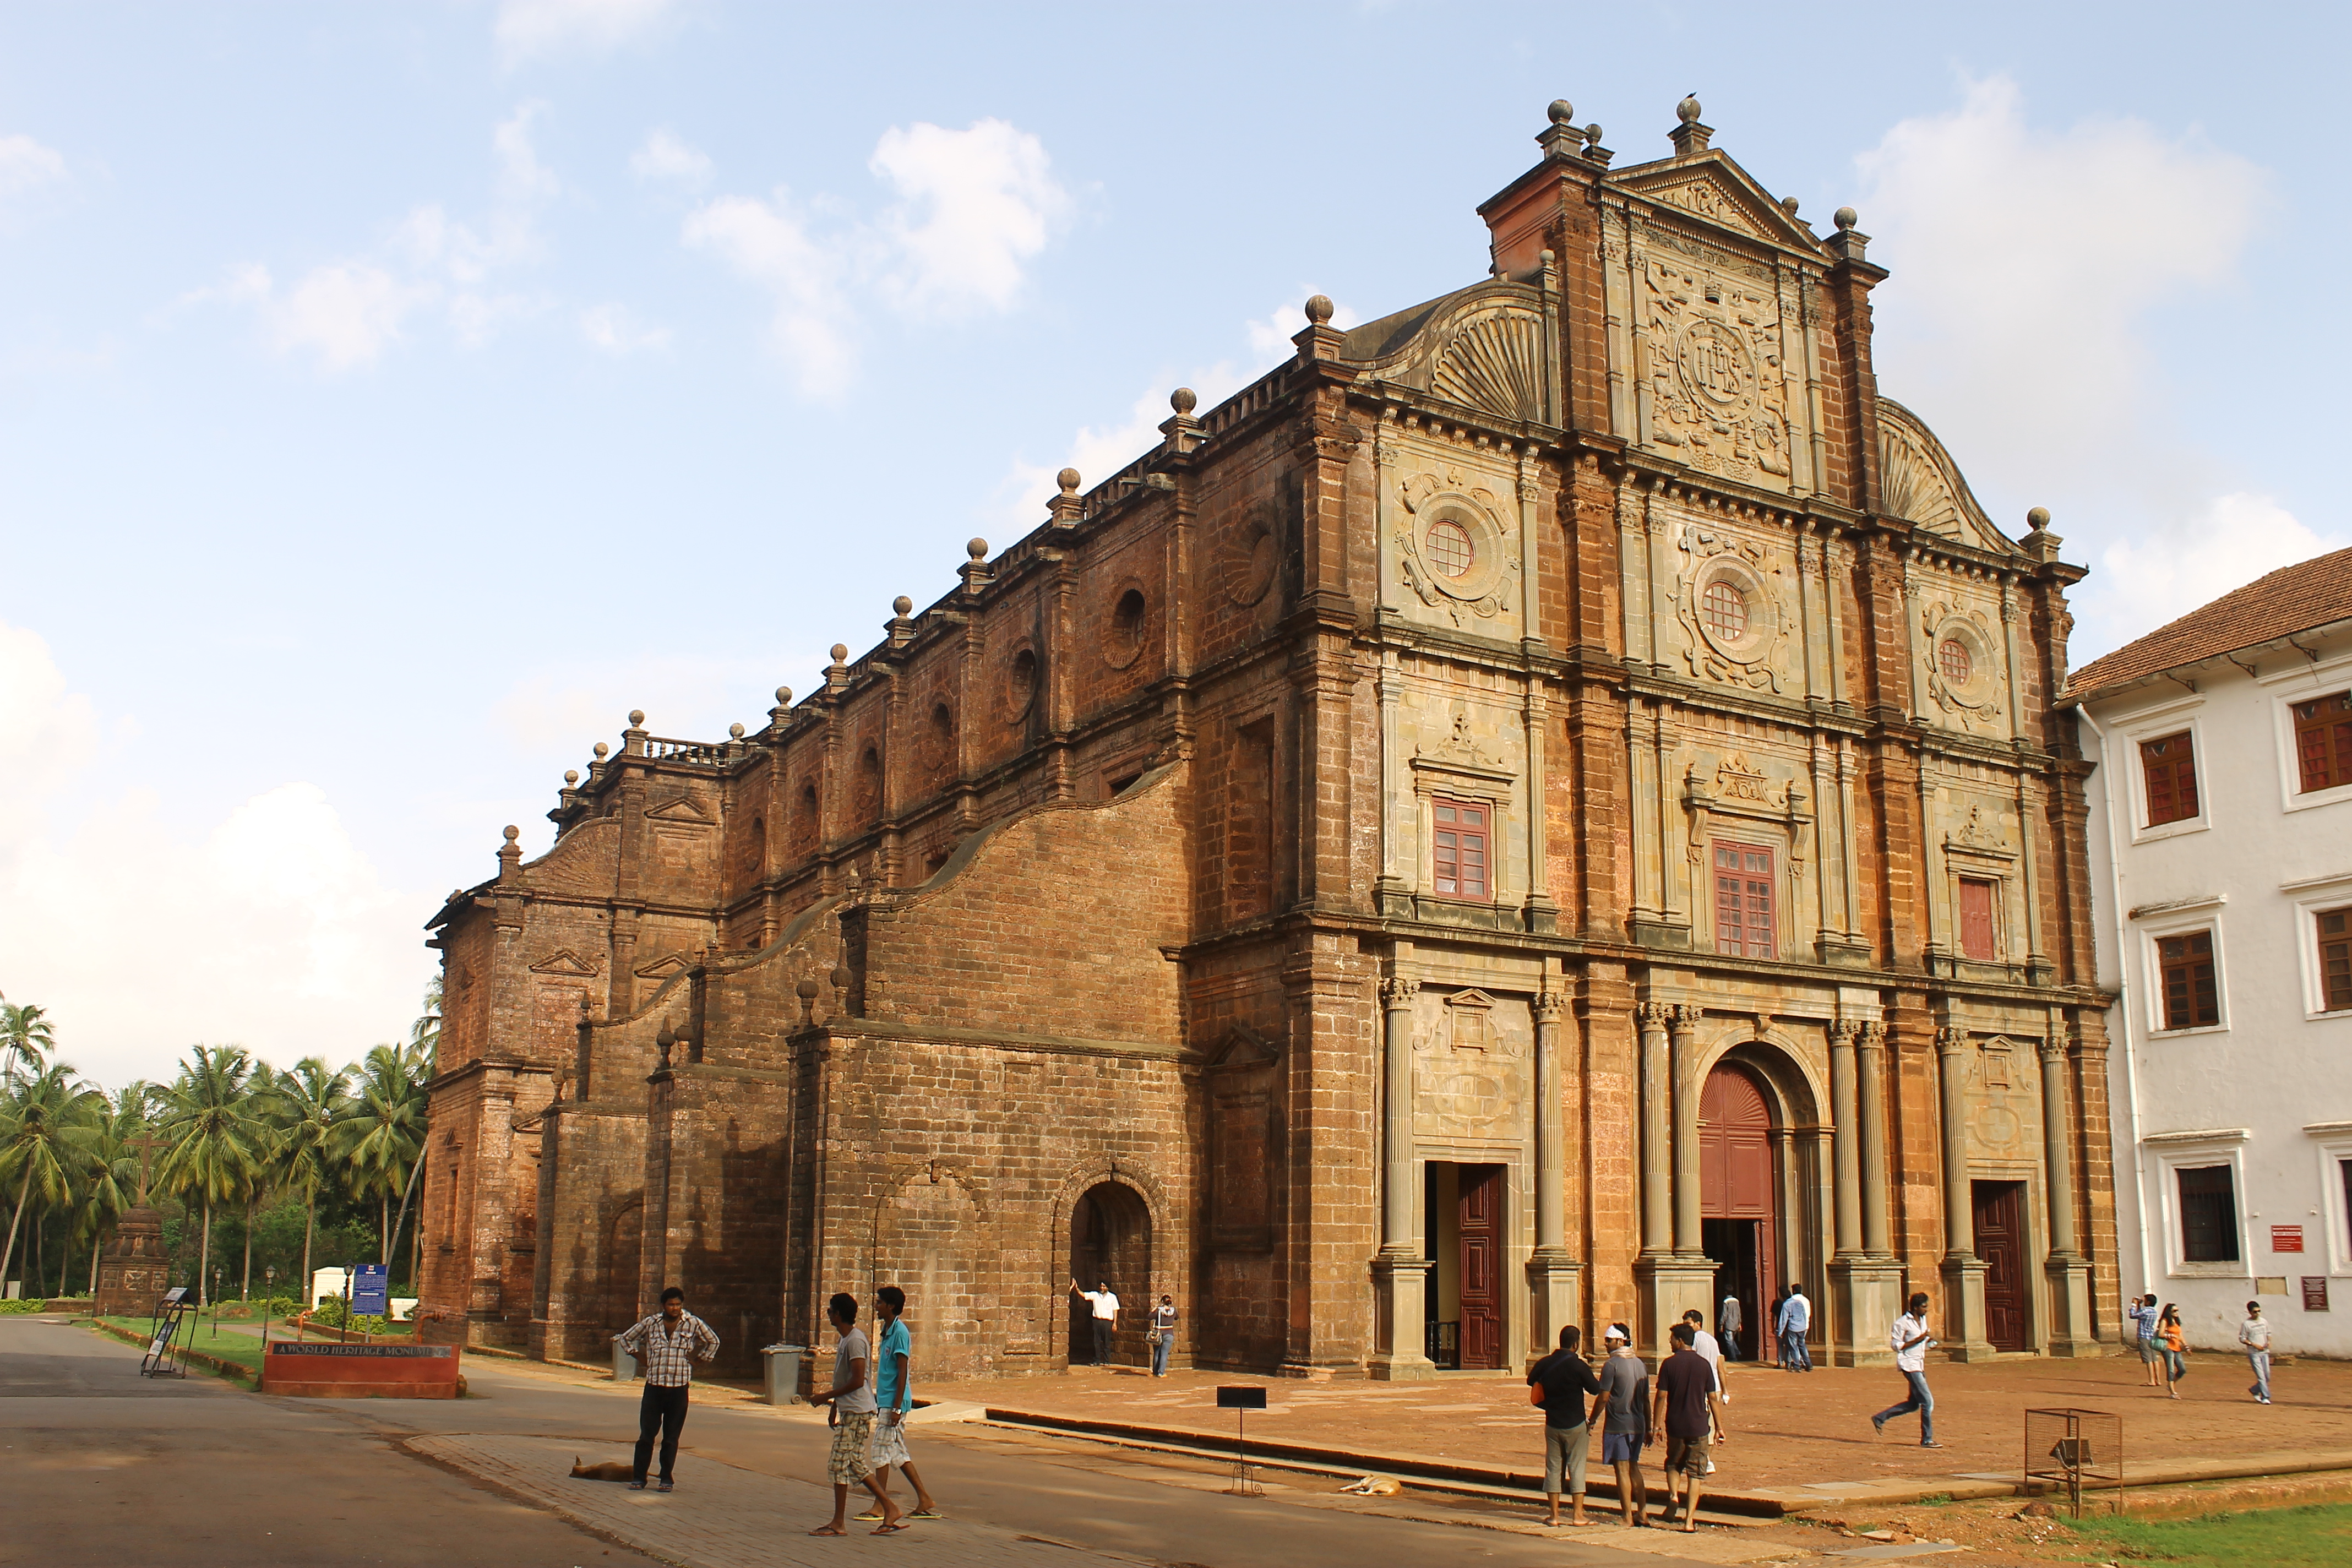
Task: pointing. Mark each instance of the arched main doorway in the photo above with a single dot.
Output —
(1110, 1244)
(1739, 1199)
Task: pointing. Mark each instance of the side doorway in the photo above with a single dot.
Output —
(1464, 1224)
(2000, 1241)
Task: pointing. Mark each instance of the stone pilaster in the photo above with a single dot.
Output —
(1864, 1280)
(1553, 1275)
(2068, 1270)
(1675, 1274)
(1963, 1270)
(1399, 1272)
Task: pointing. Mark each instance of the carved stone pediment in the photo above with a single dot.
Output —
(1242, 1049)
(1461, 752)
(563, 961)
(1715, 190)
(1981, 837)
(683, 810)
(661, 968)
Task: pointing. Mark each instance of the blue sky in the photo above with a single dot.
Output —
(393, 396)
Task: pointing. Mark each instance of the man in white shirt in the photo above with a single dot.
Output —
(1796, 1318)
(1727, 1321)
(1707, 1346)
(2254, 1333)
(1105, 1315)
(1911, 1343)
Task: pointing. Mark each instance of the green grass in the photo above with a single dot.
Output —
(244, 1349)
(2317, 1536)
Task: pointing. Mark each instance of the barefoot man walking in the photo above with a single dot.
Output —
(850, 1413)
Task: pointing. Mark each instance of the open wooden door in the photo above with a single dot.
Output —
(1482, 1265)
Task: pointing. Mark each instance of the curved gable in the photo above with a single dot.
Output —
(1482, 347)
(1919, 483)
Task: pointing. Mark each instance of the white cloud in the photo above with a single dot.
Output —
(268, 928)
(539, 27)
(975, 206)
(346, 312)
(27, 167)
(770, 243)
(612, 329)
(2147, 582)
(668, 157)
(2027, 263)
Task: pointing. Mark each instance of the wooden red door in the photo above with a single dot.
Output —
(1736, 1182)
(2001, 1242)
(1482, 1265)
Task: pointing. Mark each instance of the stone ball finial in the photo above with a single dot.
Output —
(571, 777)
(2038, 519)
(807, 990)
(1561, 111)
(1789, 205)
(840, 978)
(901, 605)
(1845, 219)
(512, 832)
(976, 548)
(1183, 400)
(1068, 480)
(603, 751)
(636, 717)
(1687, 109)
(783, 696)
(1319, 310)
(734, 731)
(841, 653)
(1593, 134)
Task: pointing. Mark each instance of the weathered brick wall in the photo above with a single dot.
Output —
(591, 1226)
(715, 1151)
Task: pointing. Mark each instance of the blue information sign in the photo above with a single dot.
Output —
(371, 1290)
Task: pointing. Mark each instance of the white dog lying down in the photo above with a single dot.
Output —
(1373, 1486)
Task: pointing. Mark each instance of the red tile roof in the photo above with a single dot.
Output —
(2291, 599)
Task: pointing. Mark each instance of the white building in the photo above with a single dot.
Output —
(2221, 853)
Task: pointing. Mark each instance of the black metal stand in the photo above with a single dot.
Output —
(164, 1357)
(1241, 1400)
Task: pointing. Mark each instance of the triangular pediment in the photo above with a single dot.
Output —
(681, 808)
(661, 968)
(563, 961)
(1715, 190)
(1244, 1047)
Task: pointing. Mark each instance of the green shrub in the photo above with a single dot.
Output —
(11, 1308)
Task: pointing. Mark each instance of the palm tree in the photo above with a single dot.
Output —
(218, 1136)
(45, 1135)
(425, 1035)
(383, 1131)
(110, 1185)
(26, 1038)
(307, 1106)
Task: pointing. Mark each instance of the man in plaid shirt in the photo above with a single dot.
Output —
(666, 1346)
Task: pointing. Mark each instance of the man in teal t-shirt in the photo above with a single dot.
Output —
(894, 1398)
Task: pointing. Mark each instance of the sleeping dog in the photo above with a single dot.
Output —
(604, 1470)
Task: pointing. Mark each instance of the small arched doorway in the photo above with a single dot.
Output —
(1739, 1199)
(1110, 1244)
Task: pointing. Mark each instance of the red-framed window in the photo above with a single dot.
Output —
(2323, 740)
(1978, 940)
(2335, 959)
(2191, 997)
(1743, 900)
(1461, 857)
(2169, 768)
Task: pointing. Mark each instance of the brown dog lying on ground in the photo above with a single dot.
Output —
(604, 1470)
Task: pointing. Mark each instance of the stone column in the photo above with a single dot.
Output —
(2069, 1271)
(1552, 1274)
(1687, 1084)
(1867, 1280)
(1657, 1235)
(1398, 1272)
(1963, 1270)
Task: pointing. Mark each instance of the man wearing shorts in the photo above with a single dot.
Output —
(850, 1413)
(1557, 1385)
(895, 1397)
(1690, 1407)
(2142, 1313)
(1623, 1412)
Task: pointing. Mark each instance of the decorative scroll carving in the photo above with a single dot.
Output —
(1484, 587)
(1495, 364)
(1459, 750)
(1717, 396)
(1977, 696)
(1755, 654)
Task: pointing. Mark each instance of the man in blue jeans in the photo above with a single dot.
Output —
(1796, 1319)
(1911, 1343)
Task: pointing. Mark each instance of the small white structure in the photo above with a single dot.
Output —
(2220, 855)
(329, 1284)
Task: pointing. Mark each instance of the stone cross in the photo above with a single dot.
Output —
(146, 1143)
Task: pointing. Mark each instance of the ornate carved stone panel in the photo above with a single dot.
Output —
(1712, 331)
(1736, 600)
(1455, 551)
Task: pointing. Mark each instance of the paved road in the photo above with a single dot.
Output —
(132, 1472)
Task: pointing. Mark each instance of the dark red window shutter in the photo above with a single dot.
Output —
(1976, 920)
(2191, 999)
(2323, 740)
(1743, 900)
(2169, 768)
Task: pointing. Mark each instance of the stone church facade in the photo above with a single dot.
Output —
(1546, 807)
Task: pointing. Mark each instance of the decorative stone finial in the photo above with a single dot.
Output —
(1561, 111)
(603, 751)
(636, 717)
(1689, 137)
(2038, 519)
(1789, 205)
(901, 605)
(1068, 480)
(976, 548)
(512, 833)
(1845, 219)
(783, 696)
(571, 777)
(734, 731)
(807, 990)
(1183, 400)
(1594, 152)
(840, 653)
(1687, 109)
(1319, 310)
(840, 978)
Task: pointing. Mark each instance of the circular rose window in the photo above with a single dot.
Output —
(1952, 659)
(1448, 547)
(1725, 609)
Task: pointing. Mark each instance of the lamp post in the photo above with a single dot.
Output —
(269, 1281)
(216, 1277)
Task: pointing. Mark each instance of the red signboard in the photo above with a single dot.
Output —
(2314, 1293)
(360, 1371)
(2287, 1239)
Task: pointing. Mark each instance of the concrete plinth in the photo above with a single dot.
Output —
(1667, 1287)
(2070, 1308)
(1553, 1278)
(1865, 1300)
(1400, 1296)
(1963, 1311)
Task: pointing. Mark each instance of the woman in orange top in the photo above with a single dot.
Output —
(2176, 1349)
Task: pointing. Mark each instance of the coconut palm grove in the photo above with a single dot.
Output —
(261, 1173)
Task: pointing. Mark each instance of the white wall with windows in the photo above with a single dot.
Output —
(2221, 848)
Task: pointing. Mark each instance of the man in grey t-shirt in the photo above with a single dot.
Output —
(1622, 1410)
